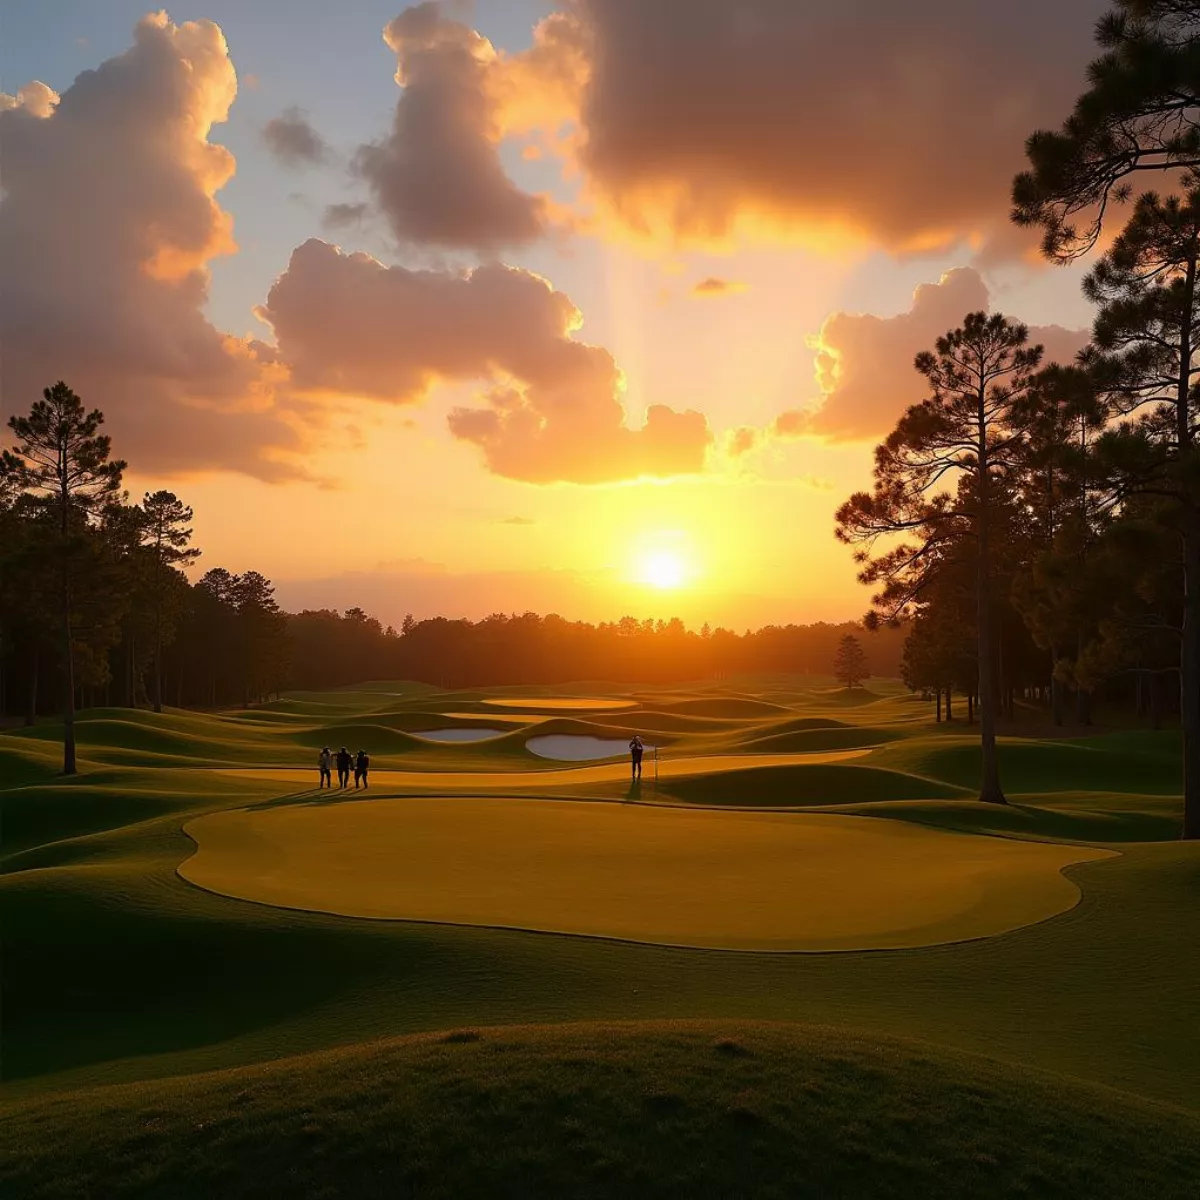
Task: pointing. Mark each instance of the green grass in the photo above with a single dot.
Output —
(677, 1109)
(118, 974)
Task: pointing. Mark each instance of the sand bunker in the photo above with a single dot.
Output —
(561, 704)
(704, 878)
(567, 747)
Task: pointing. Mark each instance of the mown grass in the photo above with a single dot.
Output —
(658, 1110)
(117, 971)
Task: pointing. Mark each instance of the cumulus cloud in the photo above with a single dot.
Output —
(107, 224)
(712, 286)
(293, 141)
(742, 440)
(437, 177)
(864, 364)
(895, 122)
(348, 325)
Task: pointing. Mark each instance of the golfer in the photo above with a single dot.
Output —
(344, 762)
(325, 763)
(636, 750)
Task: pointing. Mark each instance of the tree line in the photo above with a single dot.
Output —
(96, 609)
(1046, 518)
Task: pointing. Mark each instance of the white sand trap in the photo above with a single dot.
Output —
(561, 703)
(301, 778)
(457, 735)
(567, 747)
(704, 878)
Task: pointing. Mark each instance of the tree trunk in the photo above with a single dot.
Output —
(990, 791)
(949, 705)
(970, 709)
(68, 682)
(157, 661)
(31, 705)
(937, 695)
(1189, 675)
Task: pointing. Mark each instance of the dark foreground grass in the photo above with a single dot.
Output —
(642, 1110)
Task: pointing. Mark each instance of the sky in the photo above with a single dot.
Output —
(597, 308)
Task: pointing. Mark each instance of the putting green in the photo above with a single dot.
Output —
(561, 703)
(708, 878)
(557, 777)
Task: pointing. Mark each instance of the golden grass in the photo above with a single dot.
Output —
(556, 777)
(560, 703)
(703, 878)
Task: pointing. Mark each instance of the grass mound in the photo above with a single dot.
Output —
(1145, 765)
(839, 737)
(649, 1110)
(725, 706)
(841, 783)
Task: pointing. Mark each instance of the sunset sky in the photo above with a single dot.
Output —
(597, 308)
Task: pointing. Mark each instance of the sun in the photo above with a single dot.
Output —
(662, 569)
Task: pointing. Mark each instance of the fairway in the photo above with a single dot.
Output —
(703, 878)
(194, 919)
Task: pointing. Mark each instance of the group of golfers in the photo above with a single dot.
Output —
(360, 764)
(345, 762)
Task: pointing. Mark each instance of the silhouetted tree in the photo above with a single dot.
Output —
(167, 532)
(979, 376)
(850, 663)
(1141, 113)
(1147, 334)
(62, 460)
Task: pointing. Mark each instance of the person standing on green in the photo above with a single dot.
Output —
(636, 750)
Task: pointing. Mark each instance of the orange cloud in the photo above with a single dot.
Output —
(348, 325)
(437, 176)
(742, 440)
(701, 119)
(864, 363)
(713, 286)
(107, 224)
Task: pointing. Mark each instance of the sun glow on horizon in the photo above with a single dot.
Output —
(663, 569)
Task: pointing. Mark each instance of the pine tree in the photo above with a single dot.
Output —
(850, 662)
(167, 529)
(1140, 115)
(1147, 336)
(980, 376)
(63, 462)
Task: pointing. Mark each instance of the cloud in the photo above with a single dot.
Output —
(699, 119)
(348, 325)
(742, 440)
(437, 176)
(864, 364)
(713, 286)
(521, 521)
(107, 224)
(293, 141)
(342, 216)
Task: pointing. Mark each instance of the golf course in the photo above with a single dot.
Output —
(798, 958)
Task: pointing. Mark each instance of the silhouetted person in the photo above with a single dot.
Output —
(636, 750)
(325, 762)
(343, 765)
(361, 763)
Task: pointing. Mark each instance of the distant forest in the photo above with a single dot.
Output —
(143, 635)
(76, 554)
